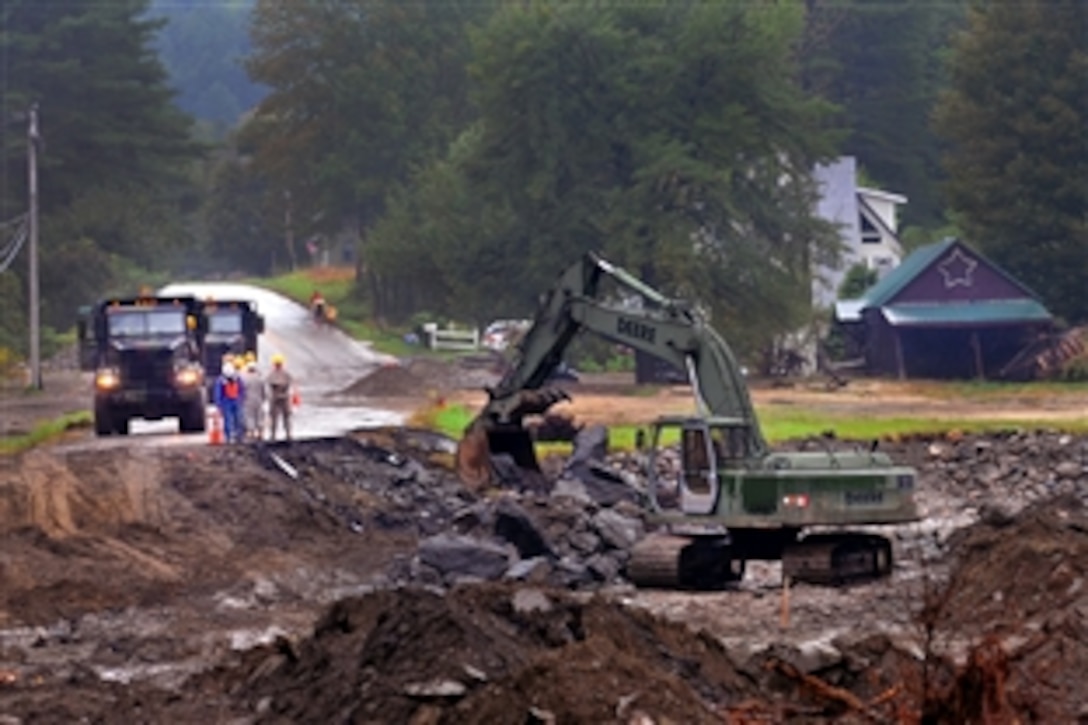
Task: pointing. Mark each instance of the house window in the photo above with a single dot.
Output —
(869, 233)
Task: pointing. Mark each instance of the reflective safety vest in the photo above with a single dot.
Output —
(231, 389)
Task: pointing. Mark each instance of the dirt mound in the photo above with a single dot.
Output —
(423, 377)
(1010, 570)
(390, 381)
(89, 530)
(1019, 590)
(171, 566)
(496, 654)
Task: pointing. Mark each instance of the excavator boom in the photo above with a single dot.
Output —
(666, 328)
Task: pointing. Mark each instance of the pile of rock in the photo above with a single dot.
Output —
(578, 529)
(575, 535)
(558, 540)
(1011, 470)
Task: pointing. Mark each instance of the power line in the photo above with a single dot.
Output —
(14, 221)
(8, 255)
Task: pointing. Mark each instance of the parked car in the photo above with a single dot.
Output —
(563, 371)
(500, 334)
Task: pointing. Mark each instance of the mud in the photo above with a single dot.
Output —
(1019, 586)
(422, 379)
(387, 381)
(207, 584)
(65, 391)
(492, 654)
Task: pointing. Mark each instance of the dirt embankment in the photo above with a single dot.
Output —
(125, 528)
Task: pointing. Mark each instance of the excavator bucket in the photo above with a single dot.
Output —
(516, 443)
(479, 445)
(473, 458)
(484, 438)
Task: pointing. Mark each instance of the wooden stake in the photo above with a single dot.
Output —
(784, 620)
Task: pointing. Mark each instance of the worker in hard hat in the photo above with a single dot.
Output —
(228, 357)
(253, 407)
(229, 395)
(280, 386)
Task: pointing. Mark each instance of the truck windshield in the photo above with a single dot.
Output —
(225, 323)
(136, 323)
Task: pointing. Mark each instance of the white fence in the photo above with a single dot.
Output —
(451, 338)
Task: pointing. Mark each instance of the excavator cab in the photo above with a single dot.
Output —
(711, 450)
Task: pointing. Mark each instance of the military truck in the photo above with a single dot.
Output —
(234, 327)
(147, 355)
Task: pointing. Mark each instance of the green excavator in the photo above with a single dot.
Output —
(733, 499)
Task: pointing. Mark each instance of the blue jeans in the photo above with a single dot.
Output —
(233, 429)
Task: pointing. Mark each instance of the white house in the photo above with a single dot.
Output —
(868, 226)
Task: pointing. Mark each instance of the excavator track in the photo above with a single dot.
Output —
(837, 559)
(655, 562)
(680, 562)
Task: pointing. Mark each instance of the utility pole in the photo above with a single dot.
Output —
(33, 138)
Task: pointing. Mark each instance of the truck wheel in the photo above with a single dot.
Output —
(103, 422)
(192, 418)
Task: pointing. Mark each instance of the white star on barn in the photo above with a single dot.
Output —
(957, 269)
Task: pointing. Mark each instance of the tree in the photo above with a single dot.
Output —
(13, 331)
(859, 278)
(106, 111)
(244, 228)
(112, 169)
(673, 137)
(1015, 117)
(881, 63)
(202, 46)
(361, 91)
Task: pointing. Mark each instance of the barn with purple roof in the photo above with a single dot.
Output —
(944, 312)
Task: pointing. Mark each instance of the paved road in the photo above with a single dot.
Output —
(322, 359)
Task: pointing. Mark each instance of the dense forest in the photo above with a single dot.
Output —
(203, 46)
(462, 152)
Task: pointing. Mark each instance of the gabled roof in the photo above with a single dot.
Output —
(894, 281)
(884, 293)
(876, 220)
(881, 194)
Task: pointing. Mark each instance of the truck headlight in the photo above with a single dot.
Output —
(187, 376)
(106, 379)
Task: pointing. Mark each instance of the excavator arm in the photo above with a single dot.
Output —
(666, 328)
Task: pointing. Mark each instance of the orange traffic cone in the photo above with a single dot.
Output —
(215, 428)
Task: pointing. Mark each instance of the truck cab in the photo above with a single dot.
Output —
(233, 328)
(146, 353)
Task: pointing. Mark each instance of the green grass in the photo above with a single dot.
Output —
(451, 420)
(48, 430)
(390, 342)
(984, 389)
(300, 284)
(353, 316)
(782, 425)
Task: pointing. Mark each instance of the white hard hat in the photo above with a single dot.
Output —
(228, 369)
